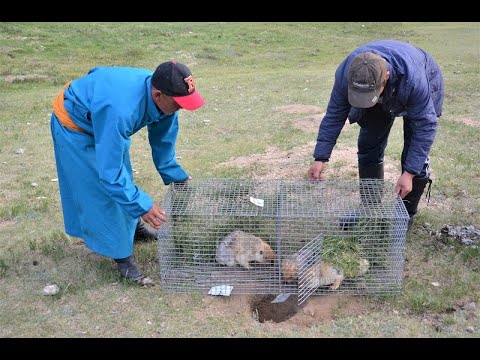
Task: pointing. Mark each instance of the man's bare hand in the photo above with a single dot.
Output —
(155, 217)
(315, 170)
(404, 184)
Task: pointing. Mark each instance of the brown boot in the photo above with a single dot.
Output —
(144, 232)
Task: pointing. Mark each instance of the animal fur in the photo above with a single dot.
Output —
(241, 248)
(322, 274)
(319, 274)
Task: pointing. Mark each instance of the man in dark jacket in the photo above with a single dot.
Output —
(374, 84)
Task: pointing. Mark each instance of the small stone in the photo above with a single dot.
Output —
(147, 282)
(466, 241)
(51, 290)
(19, 151)
(470, 329)
(34, 184)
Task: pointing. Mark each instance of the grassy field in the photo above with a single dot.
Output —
(246, 72)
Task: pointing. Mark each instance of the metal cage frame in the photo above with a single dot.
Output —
(325, 230)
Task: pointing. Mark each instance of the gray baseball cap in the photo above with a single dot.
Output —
(366, 77)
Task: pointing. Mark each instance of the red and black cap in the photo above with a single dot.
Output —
(175, 79)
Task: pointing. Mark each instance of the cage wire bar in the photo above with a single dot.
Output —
(283, 236)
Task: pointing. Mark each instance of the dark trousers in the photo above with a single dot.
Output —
(375, 128)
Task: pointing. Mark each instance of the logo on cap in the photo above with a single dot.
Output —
(175, 79)
(190, 83)
(366, 86)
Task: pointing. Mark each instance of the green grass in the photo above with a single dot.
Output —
(246, 72)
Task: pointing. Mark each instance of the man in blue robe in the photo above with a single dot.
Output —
(92, 121)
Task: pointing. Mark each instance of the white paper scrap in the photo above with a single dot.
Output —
(280, 298)
(258, 202)
(224, 290)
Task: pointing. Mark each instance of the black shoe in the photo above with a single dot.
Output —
(128, 269)
(145, 232)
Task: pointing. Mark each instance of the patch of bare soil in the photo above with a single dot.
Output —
(8, 49)
(439, 201)
(307, 123)
(22, 38)
(311, 123)
(5, 223)
(225, 306)
(468, 121)
(325, 308)
(300, 109)
(317, 309)
(275, 163)
(21, 78)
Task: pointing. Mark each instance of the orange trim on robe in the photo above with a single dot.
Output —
(62, 114)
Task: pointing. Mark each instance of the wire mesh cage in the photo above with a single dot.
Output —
(283, 236)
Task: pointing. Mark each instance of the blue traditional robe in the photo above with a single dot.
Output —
(100, 201)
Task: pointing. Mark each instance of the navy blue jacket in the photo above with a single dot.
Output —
(414, 90)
